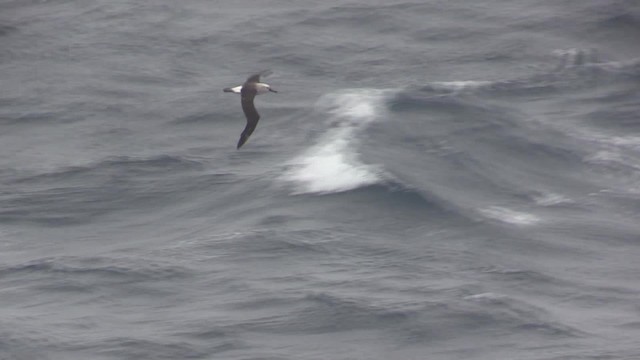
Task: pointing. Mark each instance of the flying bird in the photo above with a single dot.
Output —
(248, 92)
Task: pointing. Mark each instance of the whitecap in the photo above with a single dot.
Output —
(332, 164)
(576, 57)
(510, 216)
(488, 296)
(550, 199)
(460, 85)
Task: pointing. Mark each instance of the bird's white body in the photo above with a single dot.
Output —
(261, 88)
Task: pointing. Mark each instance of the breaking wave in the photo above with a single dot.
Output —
(332, 164)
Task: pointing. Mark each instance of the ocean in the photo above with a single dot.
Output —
(434, 180)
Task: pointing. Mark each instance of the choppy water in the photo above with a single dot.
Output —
(434, 180)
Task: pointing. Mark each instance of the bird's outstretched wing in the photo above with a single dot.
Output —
(256, 77)
(250, 112)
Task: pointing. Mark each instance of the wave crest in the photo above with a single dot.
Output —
(332, 164)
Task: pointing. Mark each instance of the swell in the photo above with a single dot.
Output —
(456, 144)
(100, 267)
(480, 148)
(575, 70)
(78, 195)
(73, 280)
(121, 165)
(414, 321)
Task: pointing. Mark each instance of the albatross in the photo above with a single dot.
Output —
(248, 92)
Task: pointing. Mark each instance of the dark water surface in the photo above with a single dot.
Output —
(434, 180)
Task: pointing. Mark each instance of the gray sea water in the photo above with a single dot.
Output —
(434, 180)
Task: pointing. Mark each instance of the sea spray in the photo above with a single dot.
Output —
(332, 164)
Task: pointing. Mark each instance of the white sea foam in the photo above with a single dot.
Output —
(488, 296)
(332, 164)
(460, 85)
(576, 57)
(550, 199)
(510, 216)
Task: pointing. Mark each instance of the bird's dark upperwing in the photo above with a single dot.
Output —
(250, 112)
(256, 77)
